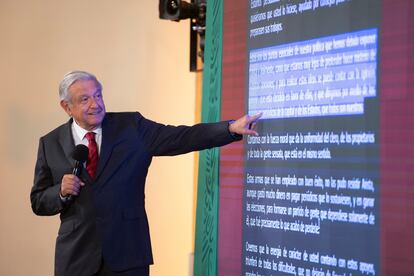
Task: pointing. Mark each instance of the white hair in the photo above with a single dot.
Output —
(70, 78)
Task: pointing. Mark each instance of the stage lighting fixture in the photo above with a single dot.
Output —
(177, 10)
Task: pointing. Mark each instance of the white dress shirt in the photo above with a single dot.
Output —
(79, 133)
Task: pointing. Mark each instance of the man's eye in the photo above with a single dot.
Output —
(84, 99)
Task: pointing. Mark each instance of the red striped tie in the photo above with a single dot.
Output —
(92, 162)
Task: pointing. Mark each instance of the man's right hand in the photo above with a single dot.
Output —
(71, 185)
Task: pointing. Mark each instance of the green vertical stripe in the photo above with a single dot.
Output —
(205, 252)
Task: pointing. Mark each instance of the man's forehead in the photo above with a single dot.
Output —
(84, 86)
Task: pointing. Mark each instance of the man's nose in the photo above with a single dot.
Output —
(94, 102)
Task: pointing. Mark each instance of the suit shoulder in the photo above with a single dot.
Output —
(123, 116)
(119, 122)
(123, 119)
(56, 132)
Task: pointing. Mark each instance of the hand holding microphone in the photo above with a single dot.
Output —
(71, 183)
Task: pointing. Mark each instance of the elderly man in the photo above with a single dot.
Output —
(104, 227)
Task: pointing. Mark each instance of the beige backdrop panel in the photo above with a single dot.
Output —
(143, 64)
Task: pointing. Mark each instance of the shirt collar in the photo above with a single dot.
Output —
(81, 132)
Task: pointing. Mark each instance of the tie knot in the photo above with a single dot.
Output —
(90, 136)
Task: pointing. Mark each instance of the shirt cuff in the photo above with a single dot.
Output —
(64, 199)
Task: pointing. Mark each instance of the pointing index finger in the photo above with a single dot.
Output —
(255, 117)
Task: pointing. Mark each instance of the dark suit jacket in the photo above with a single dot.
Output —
(108, 219)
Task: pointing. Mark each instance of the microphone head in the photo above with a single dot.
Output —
(80, 153)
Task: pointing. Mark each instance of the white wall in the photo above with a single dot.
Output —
(142, 62)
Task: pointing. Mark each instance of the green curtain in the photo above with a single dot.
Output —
(205, 252)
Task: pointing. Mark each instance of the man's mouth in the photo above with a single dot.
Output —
(95, 113)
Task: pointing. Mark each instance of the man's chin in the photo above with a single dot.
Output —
(96, 121)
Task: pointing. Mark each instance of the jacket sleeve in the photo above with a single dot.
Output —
(173, 140)
(44, 195)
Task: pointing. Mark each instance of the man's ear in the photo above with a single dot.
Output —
(65, 105)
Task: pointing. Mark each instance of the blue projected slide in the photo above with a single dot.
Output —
(319, 77)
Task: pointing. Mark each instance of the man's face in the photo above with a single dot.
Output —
(85, 104)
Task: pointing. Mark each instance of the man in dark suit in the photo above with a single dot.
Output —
(104, 228)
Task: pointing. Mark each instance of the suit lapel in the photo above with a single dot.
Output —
(66, 141)
(68, 145)
(106, 146)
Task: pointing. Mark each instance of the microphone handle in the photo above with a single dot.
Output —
(76, 171)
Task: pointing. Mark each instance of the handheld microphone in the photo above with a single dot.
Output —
(80, 154)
